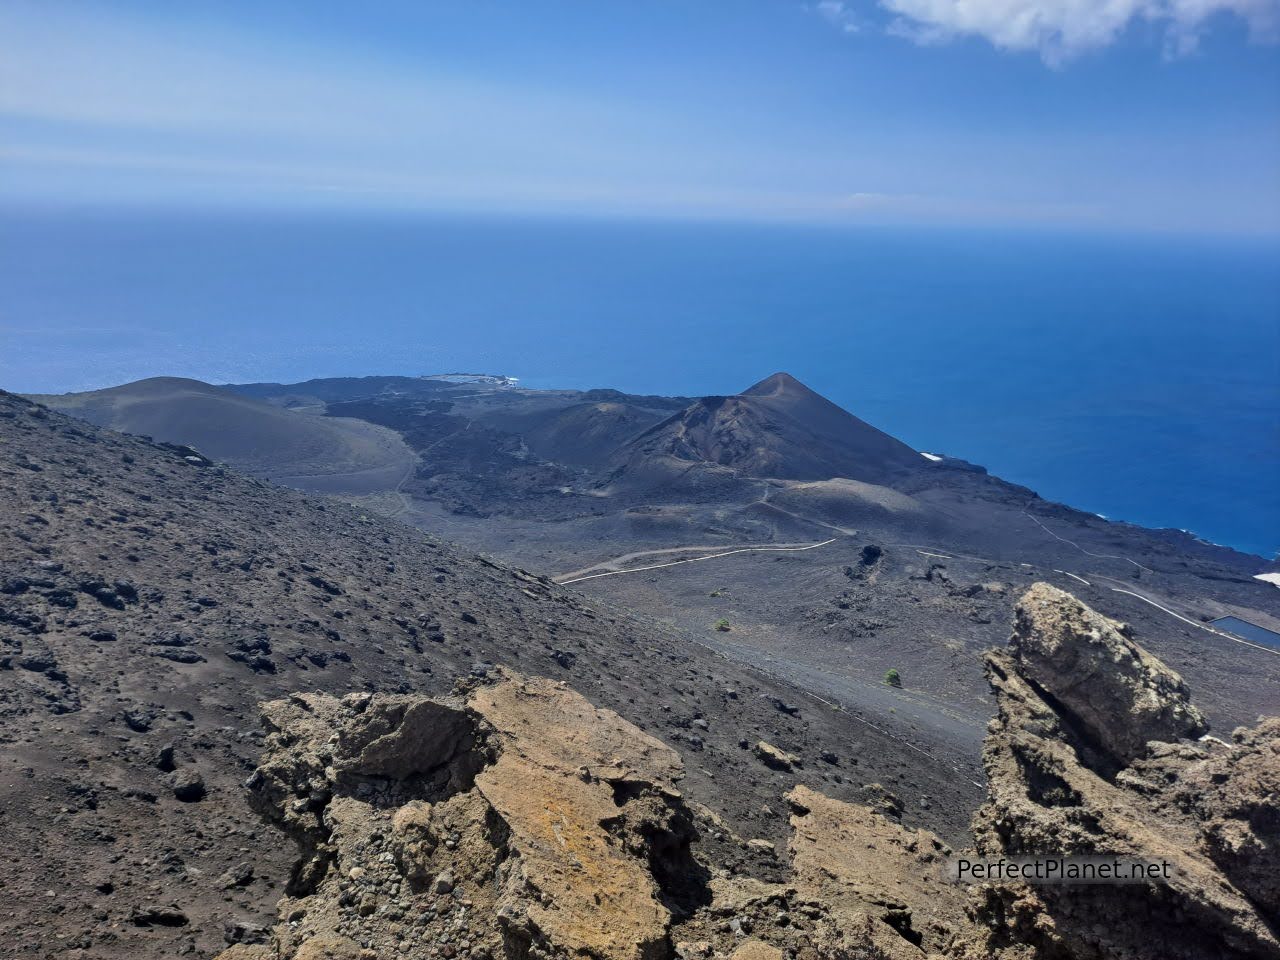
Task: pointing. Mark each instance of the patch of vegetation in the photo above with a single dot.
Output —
(722, 625)
(892, 677)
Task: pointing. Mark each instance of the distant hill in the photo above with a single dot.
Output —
(340, 389)
(777, 428)
(582, 434)
(250, 434)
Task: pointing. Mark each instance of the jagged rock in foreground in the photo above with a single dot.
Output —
(515, 820)
(866, 867)
(861, 887)
(1118, 696)
(512, 820)
(1236, 796)
(1073, 693)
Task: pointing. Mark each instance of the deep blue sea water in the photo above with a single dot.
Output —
(1137, 377)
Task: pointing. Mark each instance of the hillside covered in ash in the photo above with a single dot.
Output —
(244, 723)
(772, 526)
(151, 599)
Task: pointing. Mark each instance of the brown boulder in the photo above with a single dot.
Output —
(1047, 800)
(775, 758)
(1237, 796)
(558, 825)
(1118, 696)
(874, 875)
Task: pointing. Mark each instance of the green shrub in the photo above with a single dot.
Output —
(892, 677)
(722, 625)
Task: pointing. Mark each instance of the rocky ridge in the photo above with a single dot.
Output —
(513, 819)
(1067, 777)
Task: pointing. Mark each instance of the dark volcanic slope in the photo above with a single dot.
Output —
(249, 434)
(582, 434)
(149, 600)
(777, 428)
(341, 389)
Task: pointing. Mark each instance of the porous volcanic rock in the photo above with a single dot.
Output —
(1052, 792)
(1236, 794)
(875, 876)
(1117, 694)
(513, 818)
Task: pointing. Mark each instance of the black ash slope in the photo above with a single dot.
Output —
(151, 598)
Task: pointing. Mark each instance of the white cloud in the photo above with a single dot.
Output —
(840, 14)
(1059, 30)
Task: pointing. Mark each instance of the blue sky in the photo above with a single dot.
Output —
(1085, 114)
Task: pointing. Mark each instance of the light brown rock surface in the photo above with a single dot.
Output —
(1114, 691)
(864, 864)
(514, 820)
(860, 887)
(755, 950)
(1046, 800)
(589, 802)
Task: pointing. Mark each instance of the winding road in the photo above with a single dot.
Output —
(613, 568)
(584, 574)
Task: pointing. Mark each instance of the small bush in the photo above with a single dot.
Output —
(722, 625)
(893, 678)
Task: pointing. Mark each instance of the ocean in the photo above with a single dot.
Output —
(1133, 376)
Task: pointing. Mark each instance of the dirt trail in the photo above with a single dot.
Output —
(584, 574)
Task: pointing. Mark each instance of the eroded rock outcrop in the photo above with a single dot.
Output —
(1235, 796)
(861, 886)
(1118, 696)
(875, 876)
(511, 820)
(514, 820)
(1086, 758)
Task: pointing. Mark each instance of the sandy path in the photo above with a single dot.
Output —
(584, 574)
